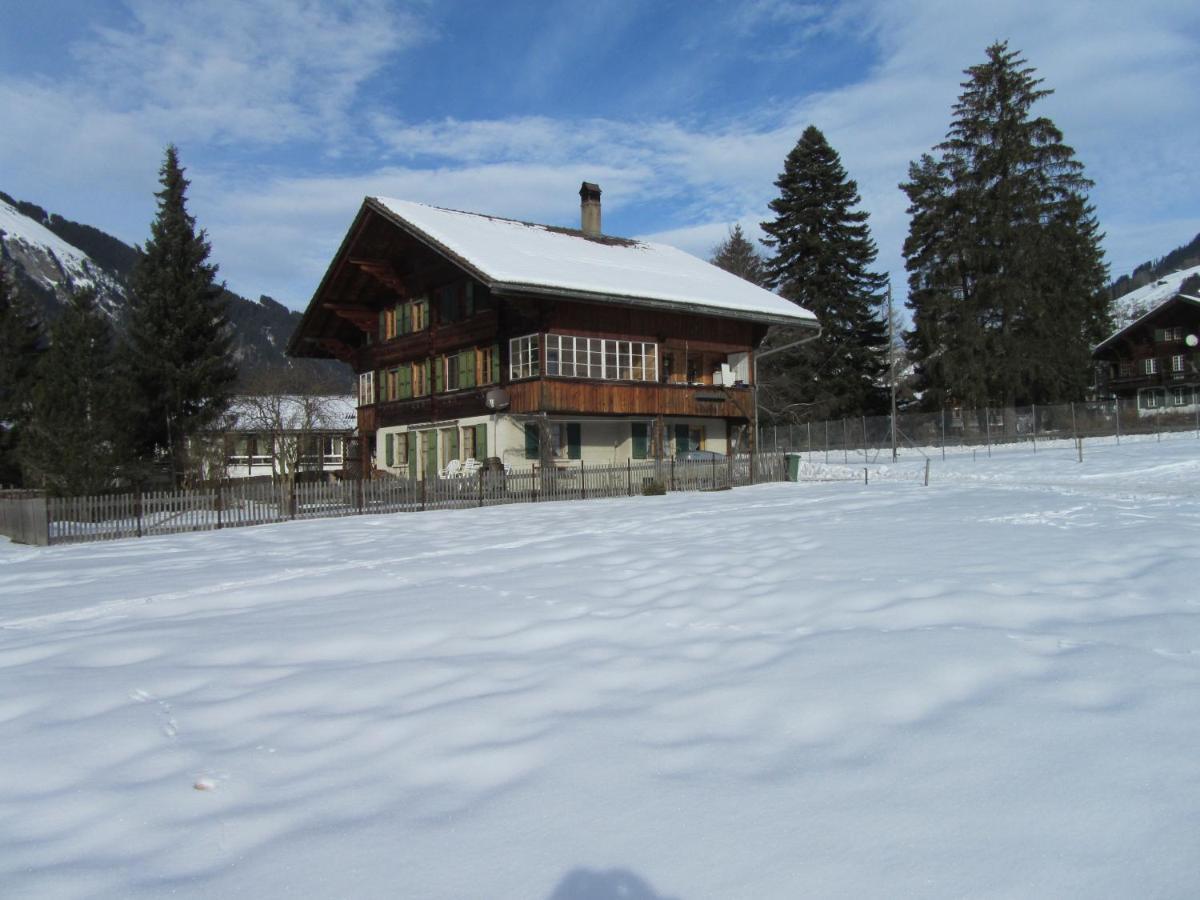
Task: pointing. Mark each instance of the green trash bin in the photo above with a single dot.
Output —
(793, 466)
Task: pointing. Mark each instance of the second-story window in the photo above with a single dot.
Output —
(610, 360)
(1150, 366)
(1177, 363)
(366, 388)
(523, 359)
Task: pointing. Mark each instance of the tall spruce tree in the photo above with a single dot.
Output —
(823, 254)
(68, 444)
(180, 365)
(737, 255)
(20, 344)
(1006, 273)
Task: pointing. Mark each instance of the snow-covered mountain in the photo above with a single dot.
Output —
(48, 257)
(1129, 307)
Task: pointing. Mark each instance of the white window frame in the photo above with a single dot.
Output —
(1177, 362)
(1150, 365)
(524, 357)
(1181, 396)
(568, 356)
(366, 388)
(1151, 398)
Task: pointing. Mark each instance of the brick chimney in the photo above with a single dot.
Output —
(589, 208)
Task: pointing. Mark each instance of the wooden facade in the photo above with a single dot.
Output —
(433, 342)
(1154, 363)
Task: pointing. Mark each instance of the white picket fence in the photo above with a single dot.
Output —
(62, 520)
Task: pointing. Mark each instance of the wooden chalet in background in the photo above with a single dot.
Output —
(476, 337)
(1153, 364)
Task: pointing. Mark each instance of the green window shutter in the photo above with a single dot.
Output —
(641, 439)
(466, 368)
(481, 442)
(390, 455)
(383, 324)
(574, 440)
(431, 454)
(439, 368)
(452, 445)
(495, 363)
(412, 454)
(531, 440)
(404, 382)
(403, 320)
(1159, 335)
(681, 439)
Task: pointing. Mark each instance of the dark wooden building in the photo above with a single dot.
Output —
(476, 337)
(1153, 364)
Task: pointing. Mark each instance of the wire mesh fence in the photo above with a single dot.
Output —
(62, 520)
(949, 430)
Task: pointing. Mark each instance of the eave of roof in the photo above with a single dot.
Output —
(1142, 318)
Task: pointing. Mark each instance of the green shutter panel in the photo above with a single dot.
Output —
(383, 324)
(481, 442)
(466, 368)
(404, 382)
(439, 369)
(431, 454)
(412, 454)
(531, 440)
(641, 439)
(495, 363)
(681, 439)
(391, 450)
(453, 445)
(574, 441)
(403, 322)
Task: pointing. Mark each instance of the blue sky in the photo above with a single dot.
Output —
(287, 113)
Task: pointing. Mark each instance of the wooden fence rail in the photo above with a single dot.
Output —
(64, 520)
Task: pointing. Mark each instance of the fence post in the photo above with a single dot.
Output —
(423, 480)
(137, 508)
(845, 445)
(672, 473)
(582, 481)
(714, 471)
(220, 507)
(866, 475)
(864, 437)
(826, 441)
(1117, 410)
(943, 434)
(1034, 406)
(480, 473)
(809, 424)
(987, 421)
(927, 471)
(629, 477)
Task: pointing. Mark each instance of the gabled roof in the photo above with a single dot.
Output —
(1112, 338)
(521, 257)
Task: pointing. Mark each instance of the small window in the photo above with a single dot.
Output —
(1181, 396)
(1150, 399)
(1177, 363)
(1150, 366)
(523, 357)
(366, 388)
(1125, 368)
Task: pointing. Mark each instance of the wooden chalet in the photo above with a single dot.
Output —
(482, 338)
(1153, 364)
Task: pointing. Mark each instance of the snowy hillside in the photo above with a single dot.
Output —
(52, 264)
(985, 687)
(1129, 307)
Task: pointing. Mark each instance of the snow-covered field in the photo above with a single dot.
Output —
(987, 687)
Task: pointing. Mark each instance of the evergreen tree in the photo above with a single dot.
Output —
(823, 254)
(181, 370)
(737, 255)
(1006, 274)
(67, 445)
(20, 343)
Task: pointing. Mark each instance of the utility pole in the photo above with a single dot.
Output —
(892, 362)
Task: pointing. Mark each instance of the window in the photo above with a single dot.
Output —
(418, 312)
(387, 323)
(420, 378)
(523, 357)
(688, 437)
(1168, 335)
(1150, 399)
(566, 440)
(366, 388)
(1125, 368)
(331, 449)
(487, 365)
(392, 380)
(468, 443)
(1181, 396)
(1150, 366)
(448, 440)
(459, 370)
(640, 433)
(1177, 363)
(577, 357)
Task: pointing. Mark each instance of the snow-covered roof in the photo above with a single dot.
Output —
(290, 413)
(1130, 307)
(1149, 312)
(521, 256)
